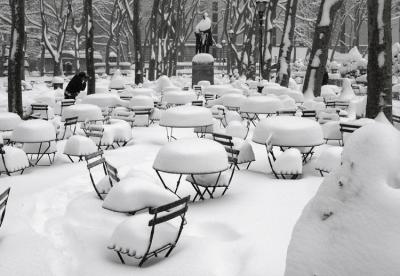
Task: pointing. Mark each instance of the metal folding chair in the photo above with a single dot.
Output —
(161, 214)
(95, 160)
(3, 204)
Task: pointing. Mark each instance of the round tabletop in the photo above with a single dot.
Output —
(289, 131)
(83, 112)
(34, 131)
(192, 156)
(261, 105)
(186, 117)
(102, 100)
(9, 121)
(179, 97)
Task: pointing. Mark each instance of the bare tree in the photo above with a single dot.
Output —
(285, 49)
(89, 49)
(60, 13)
(78, 28)
(16, 56)
(269, 28)
(319, 52)
(379, 59)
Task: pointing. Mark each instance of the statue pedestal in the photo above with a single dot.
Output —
(202, 68)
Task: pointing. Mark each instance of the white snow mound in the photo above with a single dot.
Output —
(351, 226)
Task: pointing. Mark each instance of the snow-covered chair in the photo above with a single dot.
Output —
(331, 131)
(288, 165)
(102, 186)
(137, 193)
(328, 160)
(68, 129)
(237, 129)
(79, 146)
(66, 103)
(96, 133)
(235, 149)
(347, 128)
(125, 115)
(148, 235)
(312, 114)
(198, 103)
(40, 111)
(286, 112)
(13, 160)
(3, 204)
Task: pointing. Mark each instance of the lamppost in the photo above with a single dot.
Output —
(261, 5)
(223, 42)
(229, 62)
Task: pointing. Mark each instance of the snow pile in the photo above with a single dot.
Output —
(14, 158)
(351, 226)
(79, 146)
(186, 116)
(57, 80)
(347, 92)
(132, 236)
(34, 131)
(135, 193)
(117, 81)
(140, 92)
(329, 91)
(179, 97)
(48, 98)
(329, 159)
(195, 156)
(83, 112)
(116, 131)
(289, 162)
(203, 58)
(221, 89)
(102, 100)
(354, 54)
(9, 121)
(313, 105)
(228, 100)
(164, 83)
(261, 105)
(288, 131)
(141, 102)
(236, 129)
(280, 90)
(204, 83)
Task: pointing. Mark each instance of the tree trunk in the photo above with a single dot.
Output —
(379, 59)
(77, 56)
(88, 12)
(269, 27)
(319, 52)
(138, 42)
(285, 49)
(42, 53)
(2, 59)
(16, 56)
(153, 40)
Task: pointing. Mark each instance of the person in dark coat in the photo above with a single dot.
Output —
(75, 86)
(325, 78)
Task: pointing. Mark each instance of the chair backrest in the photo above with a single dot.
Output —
(125, 98)
(226, 141)
(40, 110)
(330, 104)
(197, 103)
(93, 130)
(169, 211)
(209, 97)
(142, 111)
(309, 114)
(71, 124)
(396, 119)
(342, 104)
(108, 170)
(197, 88)
(66, 103)
(3, 204)
(186, 88)
(349, 128)
(286, 112)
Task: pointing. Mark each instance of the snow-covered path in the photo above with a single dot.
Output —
(55, 225)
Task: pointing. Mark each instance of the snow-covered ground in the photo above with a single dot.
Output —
(55, 224)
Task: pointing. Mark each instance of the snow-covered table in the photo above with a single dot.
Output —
(253, 107)
(102, 100)
(186, 117)
(193, 157)
(8, 122)
(38, 138)
(290, 131)
(84, 112)
(172, 98)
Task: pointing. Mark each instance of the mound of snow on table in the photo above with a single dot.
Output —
(351, 226)
(186, 116)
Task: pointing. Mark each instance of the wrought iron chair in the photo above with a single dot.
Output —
(3, 204)
(162, 236)
(102, 186)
